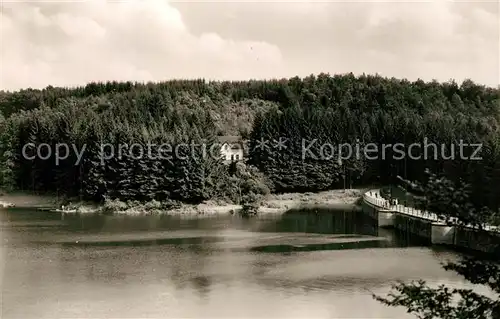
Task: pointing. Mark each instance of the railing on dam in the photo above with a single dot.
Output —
(374, 198)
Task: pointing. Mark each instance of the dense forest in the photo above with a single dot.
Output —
(333, 109)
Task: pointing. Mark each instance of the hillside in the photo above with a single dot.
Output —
(333, 109)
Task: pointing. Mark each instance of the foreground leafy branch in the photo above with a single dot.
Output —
(441, 302)
(451, 200)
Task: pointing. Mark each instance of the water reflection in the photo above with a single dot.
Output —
(324, 221)
(313, 247)
(145, 242)
(306, 264)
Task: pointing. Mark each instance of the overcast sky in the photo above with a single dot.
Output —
(72, 43)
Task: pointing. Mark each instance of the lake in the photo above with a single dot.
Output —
(302, 265)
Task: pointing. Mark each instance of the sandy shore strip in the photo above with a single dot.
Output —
(277, 204)
(19, 199)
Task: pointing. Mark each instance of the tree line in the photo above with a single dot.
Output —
(333, 109)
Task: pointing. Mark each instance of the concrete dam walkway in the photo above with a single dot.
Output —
(429, 225)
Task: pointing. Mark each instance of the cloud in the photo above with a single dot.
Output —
(74, 43)
(432, 39)
(57, 43)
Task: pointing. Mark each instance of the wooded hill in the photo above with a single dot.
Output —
(333, 109)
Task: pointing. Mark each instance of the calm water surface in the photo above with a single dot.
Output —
(301, 265)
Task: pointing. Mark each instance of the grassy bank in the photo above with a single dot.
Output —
(272, 204)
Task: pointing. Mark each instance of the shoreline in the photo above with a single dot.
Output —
(274, 204)
(278, 204)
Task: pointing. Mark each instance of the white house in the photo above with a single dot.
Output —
(233, 148)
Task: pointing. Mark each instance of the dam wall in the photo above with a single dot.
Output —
(427, 226)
